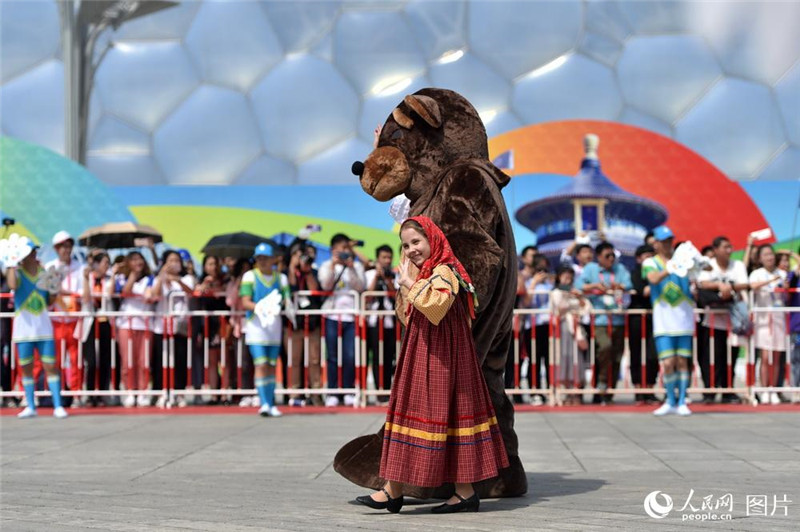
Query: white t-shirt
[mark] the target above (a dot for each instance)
(388, 304)
(72, 283)
(735, 273)
(770, 327)
(135, 304)
(172, 291)
(352, 279)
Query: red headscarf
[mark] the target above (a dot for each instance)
(442, 253)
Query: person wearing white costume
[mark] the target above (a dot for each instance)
(32, 329)
(263, 290)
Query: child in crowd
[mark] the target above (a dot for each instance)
(567, 304)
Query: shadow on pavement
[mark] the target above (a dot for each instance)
(541, 487)
(544, 486)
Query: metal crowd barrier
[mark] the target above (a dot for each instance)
(547, 386)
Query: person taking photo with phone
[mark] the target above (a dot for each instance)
(341, 275)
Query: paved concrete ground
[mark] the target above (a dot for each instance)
(588, 471)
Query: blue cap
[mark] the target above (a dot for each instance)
(662, 232)
(185, 255)
(263, 249)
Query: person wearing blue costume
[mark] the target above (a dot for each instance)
(264, 338)
(673, 322)
(33, 332)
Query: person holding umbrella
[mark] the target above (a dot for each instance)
(262, 290)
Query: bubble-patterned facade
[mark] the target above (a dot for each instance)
(276, 92)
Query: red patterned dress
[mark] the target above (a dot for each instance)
(441, 425)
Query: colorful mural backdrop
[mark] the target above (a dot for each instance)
(45, 193)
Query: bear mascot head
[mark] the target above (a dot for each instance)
(433, 149)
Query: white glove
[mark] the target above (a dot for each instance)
(14, 249)
(691, 259)
(399, 208)
(677, 268)
(51, 280)
(268, 309)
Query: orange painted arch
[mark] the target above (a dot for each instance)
(701, 201)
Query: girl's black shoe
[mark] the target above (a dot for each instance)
(465, 505)
(393, 505)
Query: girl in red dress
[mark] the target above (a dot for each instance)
(441, 425)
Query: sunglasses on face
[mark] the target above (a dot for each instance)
(607, 255)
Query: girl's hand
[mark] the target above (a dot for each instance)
(405, 279)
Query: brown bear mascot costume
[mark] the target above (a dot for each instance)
(433, 148)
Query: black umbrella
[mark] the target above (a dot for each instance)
(239, 245)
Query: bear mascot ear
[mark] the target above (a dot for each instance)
(426, 108)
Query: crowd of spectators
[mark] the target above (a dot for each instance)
(600, 281)
(576, 299)
(207, 355)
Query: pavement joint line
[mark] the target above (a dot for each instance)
(224, 488)
(364, 432)
(47, 434)
(621, 433)
(728, 453)
(766, 436)
(71, 445)
(194, 451)
(564, 443)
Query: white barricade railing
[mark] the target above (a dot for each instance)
(226, 358)
(384, 364)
